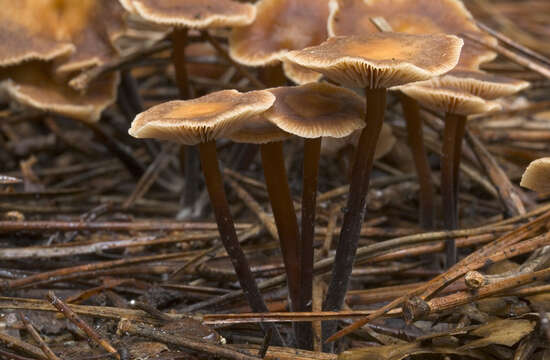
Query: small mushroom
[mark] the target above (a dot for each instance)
(457, 105)
(310, 111)
(54, 38)
(200, 122)
(479, 83)
(182, 16)
(353, 17)
(537, 176)
(373, 62)
(80, 31)
(281, 26)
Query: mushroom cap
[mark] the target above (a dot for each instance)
(33, 84)
(198, 14)
(209, 117)
(447, 99)
(317, 110)
(299, 74)
(537, 176)
(94, 42)
(259, 130)
(480, 83)
(352, 17)
(80, 31)
(380, 60)
(280, 25)
(386, 141)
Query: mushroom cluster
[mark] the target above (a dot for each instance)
(306, 70)
(45, 43)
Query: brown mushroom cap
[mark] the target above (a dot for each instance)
(447, 99)
(192, 13)
(259, 130)
(33, 84)
(479, 83)
(317, 110)
(209, 117)
(280, 26)
(80, 31)
(352, 17)
(380, 60)
(537, 176)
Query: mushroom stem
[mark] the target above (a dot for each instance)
(226, 227)
(411, 112)
(190, 161)
(179, 42)
(356, 206)
(312, 153)
(134, 167)
(460, 133)
(453, 134)
(285, 215)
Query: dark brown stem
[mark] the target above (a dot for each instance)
(450, 166)
(226, 227)
(285, 215)
(460, 132)
(191, 161)
(124, 154)
(411, 112)
(179, 42)
(312, 153)
(356, 206)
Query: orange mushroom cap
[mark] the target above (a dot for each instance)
(380, 60)
(203, 119)
(537, 176)
(447, 99)
(280, 26)
(479, 83)
(352, 17)
(80, 31)
(34, 85)
(198, 14)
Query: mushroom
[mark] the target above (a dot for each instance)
(201, 121)
(353, 17)
(280, 26)
(457, 105)
(42, 41)
(184, 15)
(80, 31)
(310, 111)
(374, 62)
(537, 175)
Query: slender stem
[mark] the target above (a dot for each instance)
(285, 215)
(448, 193)
(312, 153)
(459, 135)
(411, 112)
(123, 153)
(226, 227)
(356, 206)
(190, 161)
(179, 42)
